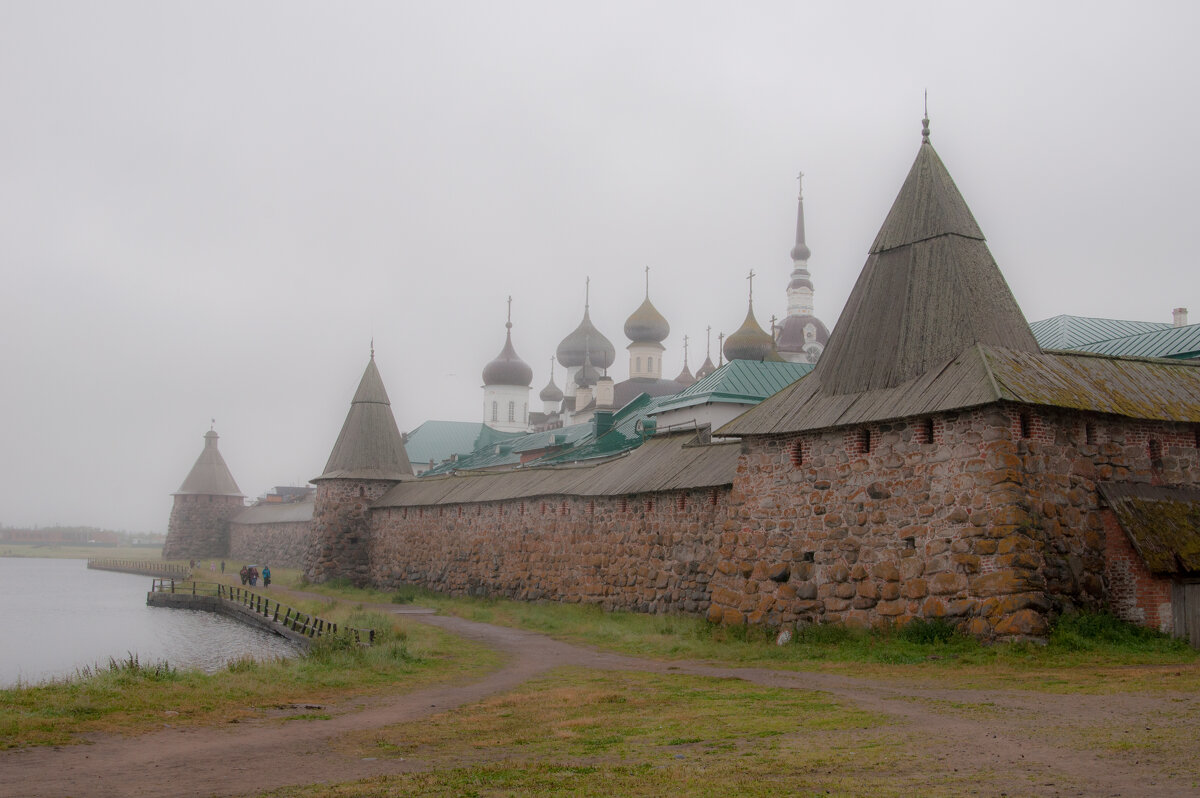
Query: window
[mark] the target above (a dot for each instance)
(650, 364)
(495, 412)
(1026, 425)
(925, 431)
(637, 362)
(512, 411)
(1154, 447)
(1089, 433)
(797, 454)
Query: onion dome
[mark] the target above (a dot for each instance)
(571, 351)
(647, 325)
(685, 377)
(750, 341)
(800, 331)
(587, 374)
(507, 368)
(551, 393)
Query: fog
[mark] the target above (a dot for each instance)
(209, 210)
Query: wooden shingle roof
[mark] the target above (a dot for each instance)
(209, 476)
(369, 445)
(1162, 522)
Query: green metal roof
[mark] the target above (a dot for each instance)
(438, 440)
(745, 382)
(1077, 332)
(624, 435)
(1173, 342)
(506, 449)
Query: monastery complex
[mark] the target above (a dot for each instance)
(932, 457)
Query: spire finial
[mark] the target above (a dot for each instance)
(750, 277)
(647, 282)
(708, 345)
(213, 426)
(772, 325)
(552, 368)
(925, 121)
(508, 324)
(721, 349)
(800, 185)
(587, 292)
(685, 340)
(372, 347)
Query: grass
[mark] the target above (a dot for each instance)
(129, 697)
(589, 733)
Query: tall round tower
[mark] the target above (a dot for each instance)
(204, 503)
(367, 460)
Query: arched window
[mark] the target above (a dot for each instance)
(650, 363)
(512, 411)
(495, 412)
(637, 364)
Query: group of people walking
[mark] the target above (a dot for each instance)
(250, 574)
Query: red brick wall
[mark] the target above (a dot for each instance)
(1135, 594)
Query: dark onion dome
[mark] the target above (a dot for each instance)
(749, 342)
(551, 393)
(587, 374)
(507, 368)
(791, 336)
(646, 325)
(586, 337)
(685, 377)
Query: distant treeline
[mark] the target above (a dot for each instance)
(74, 535)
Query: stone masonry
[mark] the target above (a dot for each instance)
(282, 544)
(341, 529)
(988, 518)
(645, 552)
(199, 526)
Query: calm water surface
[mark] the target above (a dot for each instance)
(57, 616)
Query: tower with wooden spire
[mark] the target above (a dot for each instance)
(367, 459)
(204, 503)
(802, 336)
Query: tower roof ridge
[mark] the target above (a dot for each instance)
(369, 445)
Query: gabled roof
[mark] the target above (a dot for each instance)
(929, 290)
(1077, 332)
(209, 476)
(1162, 522)
(438, 440)
(369, 445)
(283, 513)
(1165, 390)
(1172, 342)
(665, 462)
(744, 382)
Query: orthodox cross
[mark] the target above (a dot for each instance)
(772, 325)
(800, 185)
(508, 324)
(720, 349)
(647, 282)
(750, 277)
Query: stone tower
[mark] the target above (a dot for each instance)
(366, 461)
(204, 503)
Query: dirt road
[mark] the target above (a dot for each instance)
(1013, 742)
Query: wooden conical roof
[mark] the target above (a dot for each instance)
(929, 292)
(210, 476)
(369, 446)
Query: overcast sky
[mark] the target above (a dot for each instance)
(209, 209)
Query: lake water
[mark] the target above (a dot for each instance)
(57, 616)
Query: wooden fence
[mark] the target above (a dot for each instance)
(302, 623)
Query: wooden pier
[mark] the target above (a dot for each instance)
(168, 570)
(252, 608)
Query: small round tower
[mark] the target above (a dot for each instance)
(203, 505)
